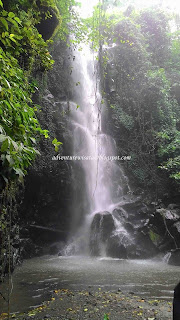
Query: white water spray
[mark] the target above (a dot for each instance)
(104, 182)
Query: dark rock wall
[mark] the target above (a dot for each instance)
(48, 190)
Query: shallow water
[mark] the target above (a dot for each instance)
(35, 280)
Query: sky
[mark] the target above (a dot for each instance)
(174, 5)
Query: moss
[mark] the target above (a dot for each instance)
(155, 238)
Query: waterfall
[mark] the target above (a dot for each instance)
(100, 182)
(89, 140)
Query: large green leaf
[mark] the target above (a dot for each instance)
(4, 22)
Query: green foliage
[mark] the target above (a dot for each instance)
(20, 37)
(122, 117)
(23, 51)
(71, 23)
(18, 123)
(169, 151)
(106, 317)
(3, 221)
(155, 27)
(141, 81)
(56, 144)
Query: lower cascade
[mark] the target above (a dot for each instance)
(104, 206)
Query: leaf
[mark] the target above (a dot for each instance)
(8, 83)
(5, 179)
(19, 171)
(18, 20)
(85, 310)
(13, 22)
(5, 145)
(14, 145)
(11, 14)
(37, 152)
(45, 132)
(1, 4)
(78, 106)
(2, 137)
(20, 174)
(56, 144)
(33, 140)
(112, 106)
(54, 141)
(12, 39)
(30, 314)
(4, 22)
(7, 103)
(9, 159)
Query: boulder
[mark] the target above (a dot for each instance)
(175, 257)
(163, 220)
(116, 249)
(101, 230)
(145, 248)
(129, 226)
(170, 216)
(120, 214)
(121, 246)
(136, 210)
(175, 231)
(172, 206)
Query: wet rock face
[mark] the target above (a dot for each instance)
(115, 249)
(116, 236)
(48, 190)
(102, 228)
(175, 258)
(165, 222)
(48, 184)
(58, 81)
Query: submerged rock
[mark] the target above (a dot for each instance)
(121, 246)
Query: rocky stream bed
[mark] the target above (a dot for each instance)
(96, 305)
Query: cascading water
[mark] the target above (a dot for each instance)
(104, 182)
(100, 186)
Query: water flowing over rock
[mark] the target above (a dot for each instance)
(99, 182)
(102, 228)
